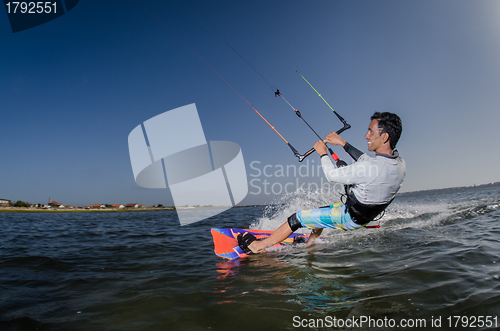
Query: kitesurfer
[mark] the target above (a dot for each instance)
(372, 182)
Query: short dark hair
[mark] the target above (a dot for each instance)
(390, 123)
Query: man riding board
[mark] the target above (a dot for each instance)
(373, 182)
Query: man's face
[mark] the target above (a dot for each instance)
(373, 137)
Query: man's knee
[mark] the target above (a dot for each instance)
(293, 222)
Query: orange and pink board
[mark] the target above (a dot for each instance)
(226, 244)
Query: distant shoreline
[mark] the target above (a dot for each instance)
(96, 210)
(76, 210)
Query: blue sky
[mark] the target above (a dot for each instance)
(71, 90)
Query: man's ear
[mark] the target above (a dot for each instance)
(385, 137)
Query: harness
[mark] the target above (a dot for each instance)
(362, 213)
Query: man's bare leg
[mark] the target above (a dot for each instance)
(279, 235)
(283, 232)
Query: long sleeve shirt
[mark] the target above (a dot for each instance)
(375, 179)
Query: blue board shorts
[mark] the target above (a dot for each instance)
(334, 216)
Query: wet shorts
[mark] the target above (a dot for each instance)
(334, 216)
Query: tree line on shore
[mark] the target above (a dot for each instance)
(20, 203)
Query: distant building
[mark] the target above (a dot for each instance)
(55, 204)
(5, 203)
(118, 205)
(99, 205)
(131, 205)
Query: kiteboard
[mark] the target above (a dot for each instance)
(226, 244)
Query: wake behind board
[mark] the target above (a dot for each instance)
(226, 244)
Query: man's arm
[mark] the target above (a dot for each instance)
(355, 173)
(312, 237)
(334, 139)
(352, 151)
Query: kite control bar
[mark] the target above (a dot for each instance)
(340, 163)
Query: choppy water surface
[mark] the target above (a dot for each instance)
(436, 256)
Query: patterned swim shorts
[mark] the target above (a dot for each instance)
(334, 216)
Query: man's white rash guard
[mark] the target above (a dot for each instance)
(375, 179)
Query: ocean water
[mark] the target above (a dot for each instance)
(434, 264)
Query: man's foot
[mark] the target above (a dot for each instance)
(244, 241)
